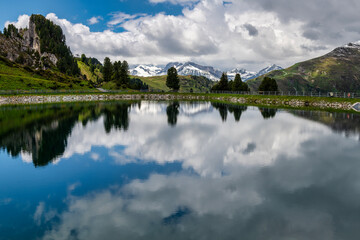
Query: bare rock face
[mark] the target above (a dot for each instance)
(31, 39)
(25, 49)
(50, 57)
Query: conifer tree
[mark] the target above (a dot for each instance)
(224, 83)
(124, 73)
(172, 80)
(237, 85)
(107, 69)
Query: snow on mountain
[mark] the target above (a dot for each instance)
(187, 109)
(190, 68)
(267, 70)
(353, 45)
(245, 75)
(146, 70)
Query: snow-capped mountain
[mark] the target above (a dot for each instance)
(245, 75)
(267, 70)
(146, 71)
(190, 68)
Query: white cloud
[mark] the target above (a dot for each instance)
(26, 157)
(22, 22)
(274, 200)
(94, 20)
(182, 2)
(248, 34)
(214, 149)
(95, 157)
(120, 17)
(39, 213)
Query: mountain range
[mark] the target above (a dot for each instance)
(337, 71)
(38, 58)
(190, 68)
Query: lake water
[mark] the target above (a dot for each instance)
(170, 170)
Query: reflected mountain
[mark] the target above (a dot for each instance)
(342, 123)
(43, 131)
(288, 178)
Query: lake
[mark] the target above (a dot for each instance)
(178, 170)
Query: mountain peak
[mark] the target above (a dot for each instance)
(353, 45)
(191, 68)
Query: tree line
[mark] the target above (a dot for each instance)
(267, 84)
(119, 73)
(236, 86)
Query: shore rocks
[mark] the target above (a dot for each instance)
(38, 99)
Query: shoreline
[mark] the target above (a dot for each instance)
(271, 101)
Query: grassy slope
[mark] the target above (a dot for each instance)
(327, 73)
(14, 76)
(159, 83)
(85, 70)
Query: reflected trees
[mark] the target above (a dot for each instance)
(223, 109)
(268, 113)
(172, 112)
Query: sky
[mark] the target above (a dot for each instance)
(247, 34)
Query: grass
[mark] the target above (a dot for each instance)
(15, 77)
(85, 70)
(156, 83)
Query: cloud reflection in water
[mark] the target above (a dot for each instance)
(283, 178)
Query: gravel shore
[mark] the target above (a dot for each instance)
(38, 99)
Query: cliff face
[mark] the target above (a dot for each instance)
(31, 39)
(25, 49)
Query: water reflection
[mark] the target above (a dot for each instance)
(116, 117)
(223, 109)
(170, 170)
(172, 111)
(346, 123)
(268, 112)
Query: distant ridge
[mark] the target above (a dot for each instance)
(336, 71)
(191, 68)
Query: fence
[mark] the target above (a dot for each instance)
(296, 93)
(278, 93)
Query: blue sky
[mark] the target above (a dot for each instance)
(81, 11)
(247, 34)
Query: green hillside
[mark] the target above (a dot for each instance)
(338, 70)
(198, 84)
(85, 70)
(14, 76)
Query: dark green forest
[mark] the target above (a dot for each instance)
(52, 40)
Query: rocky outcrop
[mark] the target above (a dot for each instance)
(31, 39)
(25, 49)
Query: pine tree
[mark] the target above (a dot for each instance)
(83, 58)
(172, 80)
(124, 73)
(107, 69)
(237, 85)
(117, 73)
(224, 83)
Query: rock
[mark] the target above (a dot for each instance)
(31, 39)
